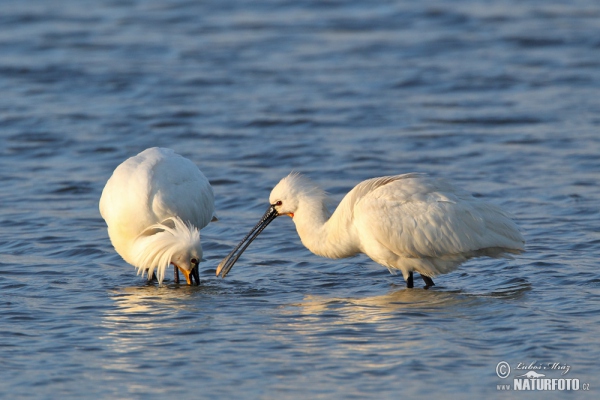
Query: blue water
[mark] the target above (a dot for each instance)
(502, 97)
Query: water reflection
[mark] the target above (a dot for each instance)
(374, 308)
(405, 325)
(139, 300)
(148, 318)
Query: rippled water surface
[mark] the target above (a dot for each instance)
(502, 97)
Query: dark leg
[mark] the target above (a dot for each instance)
(176, 274)
(409, 281)
(196, 275)
(428, 281)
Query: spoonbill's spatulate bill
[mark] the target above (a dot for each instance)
(408, 222)
(154, 204)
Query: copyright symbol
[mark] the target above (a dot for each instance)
(503, 369)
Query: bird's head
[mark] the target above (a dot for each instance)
(170, 242)
(284, 196)
(293, 195)
(187, 258)
(287, 196)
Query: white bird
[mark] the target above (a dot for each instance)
(154, 204)
(411, 223)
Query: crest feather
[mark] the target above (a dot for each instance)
(299, 185)
(155, 247)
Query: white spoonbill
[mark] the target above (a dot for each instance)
(154, 204)
(408, 222)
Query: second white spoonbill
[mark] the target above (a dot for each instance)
(411, 223)
(154, 204)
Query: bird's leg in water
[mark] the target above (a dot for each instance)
(428, 281)
(409, 281)
(176, 277)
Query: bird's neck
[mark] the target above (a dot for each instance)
(324, 234)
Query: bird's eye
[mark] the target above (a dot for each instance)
(194, 261)
(278, 203)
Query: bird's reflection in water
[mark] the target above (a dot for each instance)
(143, 299)
(390, 305)
(149, 317)
(396, 311)
(361, 328)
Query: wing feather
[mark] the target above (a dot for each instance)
(415, 216)
(149, 188)
(179, 188)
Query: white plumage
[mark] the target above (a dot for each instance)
(154, 204)
(408, 222)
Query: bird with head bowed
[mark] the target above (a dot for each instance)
(154, 205)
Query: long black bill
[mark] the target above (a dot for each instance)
(227, 263)
(196, 274)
